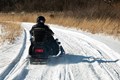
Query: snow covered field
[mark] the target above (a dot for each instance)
(86, 58)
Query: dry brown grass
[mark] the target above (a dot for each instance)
(10, 31)
(107, 25)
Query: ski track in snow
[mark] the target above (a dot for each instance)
(84, 59)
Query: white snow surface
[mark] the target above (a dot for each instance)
(87, 57)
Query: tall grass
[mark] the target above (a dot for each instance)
(9, 31)
(96, 25)
(107, 26)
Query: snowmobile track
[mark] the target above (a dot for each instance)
(13, 64)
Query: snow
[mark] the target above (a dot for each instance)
(110, 41)
(87, 57)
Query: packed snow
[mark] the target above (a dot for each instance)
(87, 57)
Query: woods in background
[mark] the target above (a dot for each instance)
(78, 8)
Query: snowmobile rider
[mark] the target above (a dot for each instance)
(41, 24)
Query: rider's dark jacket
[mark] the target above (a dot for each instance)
(43, 26)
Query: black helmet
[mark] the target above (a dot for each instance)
(40, 19)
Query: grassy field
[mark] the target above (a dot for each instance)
(9, 31)
(101, 25)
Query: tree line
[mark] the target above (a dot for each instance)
(50, 5)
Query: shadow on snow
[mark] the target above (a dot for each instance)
(74, 59)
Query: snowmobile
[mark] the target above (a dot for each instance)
(44, 48)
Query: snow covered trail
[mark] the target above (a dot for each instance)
(84, 59)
